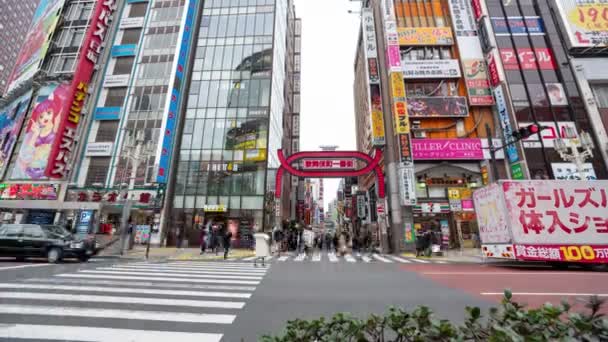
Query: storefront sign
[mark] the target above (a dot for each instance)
(28, 191)
(438, 106)
(405, 149)
(568, 171)
(505, 122)
(369, 32)
(432, 208)
(99, 149)
(527, 60)
(585, 22)
(393, 54)
(36, 43)
(372, 70)
(215, 208)
(462, 18)
(64, 144)
(433, 68)
(328, 164)
(477, 9)
(476, 80)
(549, 134)
(519, 26)
(110, 81)
(561, 252)
(397, 86)
(11, 119)
(361, 211)
(493, 72)
(402, 123)
(123, 50)
(174, 98)
(447, 149)
(413, 36)
(516, 171)
(377, 116)
(131, 22)
(407, 185)
(107, 113)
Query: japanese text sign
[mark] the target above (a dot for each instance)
(397, 86)
(433, 68)
(369, 33)
(586, 22)
(64, 144)
(528, 59)
(412, 36)
(328, 164)
(441, 149)
(557, 212)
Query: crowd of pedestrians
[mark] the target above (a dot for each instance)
(214, 236)
(307, 240)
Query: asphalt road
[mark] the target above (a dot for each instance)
(111, 300)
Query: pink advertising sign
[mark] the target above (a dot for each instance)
(394, 56)
(442, 149)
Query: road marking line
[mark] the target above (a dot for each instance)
(316, 257)
(90, 334)
(420, 261)
(383, 259)
(22, 266)
(182, 271)
(175, 275)
(199, 268)
(249, 258)
(61, 311)
(139, 284)
(300, 257)
(283, 258)
(441, 262)
(243, 265)
(365, 258)
(165, 279)
(123, 300)
(516, 273)
(349, 258)
(332, 257)
(173, 292)
(401, 260)
(546, 294)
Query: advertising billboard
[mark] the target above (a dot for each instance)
(438, 106)
(447, 149)
(40, 132)
(585, 22)
(172, 107)
(476, 80)
(528, 59)
(11, 120)
(433, 68)
(492, 215)
(377, 116)
(412, 36)
(519, 26)
(505, 122)
(549, 134)
(36, 42)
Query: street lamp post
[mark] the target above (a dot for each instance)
(577, 150)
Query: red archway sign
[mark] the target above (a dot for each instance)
(319, 172)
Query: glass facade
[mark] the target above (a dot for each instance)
(233, 119)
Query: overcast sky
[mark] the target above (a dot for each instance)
(329, 38)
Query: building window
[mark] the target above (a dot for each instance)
(106, 132)
(98, 170)
(131, 36)
(70, 37)
(138, 10)
(79, 11)
(123, 65)
(62, 63)
(116, 97)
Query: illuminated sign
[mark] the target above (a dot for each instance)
(329, 164)
(215, 208)
(412, 36)
(28, 191)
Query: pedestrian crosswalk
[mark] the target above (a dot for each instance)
(152, 302)
(353, 258)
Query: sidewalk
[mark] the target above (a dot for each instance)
(172, 253)
(468, 255)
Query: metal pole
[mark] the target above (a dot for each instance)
(492, 153)
(156, 201)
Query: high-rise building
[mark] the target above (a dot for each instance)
(15, 19)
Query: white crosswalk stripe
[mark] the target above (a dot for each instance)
(420, 261)
(366, 259)
(349, 258)
(300, 257)
(283, 258)
(381, 258)
(401, 260)
(204, 294)
(332, 257)
(316, 257)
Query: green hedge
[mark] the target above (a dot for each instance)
(511, 321)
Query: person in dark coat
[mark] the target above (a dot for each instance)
(202, 241)
(226, 237)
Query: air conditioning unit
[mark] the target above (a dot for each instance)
(419, 134)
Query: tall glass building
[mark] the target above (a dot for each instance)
(236, 117)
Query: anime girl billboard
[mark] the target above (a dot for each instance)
(11, 120)
(40, 132)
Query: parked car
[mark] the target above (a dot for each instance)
(34, 240)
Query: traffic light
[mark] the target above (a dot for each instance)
(525, 132)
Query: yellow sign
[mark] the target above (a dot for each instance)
(466, 193)
(425, 36)
(402, 122)
(215, 208)
(453, 194)
(377, 127)
(593, 17)
(397, 84)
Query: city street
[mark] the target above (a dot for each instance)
(113, 300)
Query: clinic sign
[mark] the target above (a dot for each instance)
(72, 111)
(585, 22)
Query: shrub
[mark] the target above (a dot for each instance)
(511, 321)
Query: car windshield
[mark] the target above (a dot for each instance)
(56, 232)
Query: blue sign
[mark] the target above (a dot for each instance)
(505, 123)
(171, 116)
(85, 216)
(519, 26)
(123, 50)
(107, 113)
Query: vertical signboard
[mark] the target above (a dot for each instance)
(67, 122)
(11, 120)
(36, 42)
(505, 122)
(585, 22)
(374, 93)
(471, 55)
(170, 120)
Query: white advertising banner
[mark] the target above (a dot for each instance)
(585, 22)
(131, 22)
(568, 171)
(549, 134)
(491, 215)
(110, 81)
(407, 185)
(369, 32)
(557, 212)
(434, 68)
(99, 149)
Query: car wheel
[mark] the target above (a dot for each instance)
(83, 258)
(54, 255)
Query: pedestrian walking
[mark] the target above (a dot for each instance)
(309, 237)
(227, 236)
(202, 240)
(277, 237)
